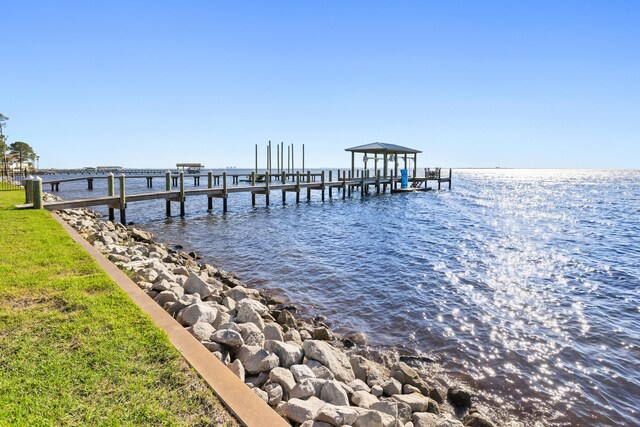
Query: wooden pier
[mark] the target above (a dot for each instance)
(220, 186)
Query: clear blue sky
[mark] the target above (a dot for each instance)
(477, 83)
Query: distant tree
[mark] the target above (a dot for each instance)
(24, 152)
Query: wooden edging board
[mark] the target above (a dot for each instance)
(247, 407)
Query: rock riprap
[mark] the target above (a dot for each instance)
(299, 368)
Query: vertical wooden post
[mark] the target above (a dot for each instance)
(323, 183)
(377, 181)
(123, 201)
(293, 159)
(282, 155)
(181, 193)
(111, 191)
(278, 156)
(267, 179)
(210, 185)
(283, 178)
(330, 187)
(298, 187)
(28, 190)
(302, 158)
(450, 179)
(344, 185)
(89, 183)
(256, 169)
(353, 163)
(308, 188)
(37, 193)
(224, 191)
(415, 164)
(167, 176)
(288, 159)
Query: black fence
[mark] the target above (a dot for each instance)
(11, 181)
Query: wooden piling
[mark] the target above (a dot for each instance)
(123, 201)
(210, 185)
(267, 180)
(37, 193)
(181, 193)
(111, 191)
(28, 190)
(308, 188)
(322, 178)
(224, 192)
(168, 188)
(298, 187)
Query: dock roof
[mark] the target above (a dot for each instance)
(382, 148)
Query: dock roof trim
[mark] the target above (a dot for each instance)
(381, 147)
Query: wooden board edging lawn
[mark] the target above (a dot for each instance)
(248, 408)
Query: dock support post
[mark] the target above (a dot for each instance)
(224, 192)
(256, 169)
(267, 179)
(344, 185)
(308, 188)
(181, 193)
(353, 163)
(330, 187)
(302, 158)
(283, 178)
(167, 176)
(123, 201)
(210, 185)
(298, 187)
(111, 191)
(28, 190)
(449, 179)
(37, 193)
(322, 182)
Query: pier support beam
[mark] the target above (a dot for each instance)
(111, 191)
(210, 185)
(168, 188)
(181, 193)
(37, 193)
(224, 192)
(123, 201)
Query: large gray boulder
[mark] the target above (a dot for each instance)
(407, 375)
(299, 410)
(284, 377)
(307, 388)
(202, 331)
(368, 370)
(195, 285)
(417, 402)
(199, 312)
(252, 358)
(425, 419)
(374, 418)
(251, 334)
(332, 392)
(301, 372)
(228, 337)
(331, 357)
(400, 411)
(337, 415)
(363, 399)
(288, 353)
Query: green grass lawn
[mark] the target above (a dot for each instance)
(74, 349)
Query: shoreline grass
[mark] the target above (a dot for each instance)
(74, 349)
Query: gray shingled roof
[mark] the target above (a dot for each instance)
(381, 147)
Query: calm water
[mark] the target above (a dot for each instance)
(523, 283)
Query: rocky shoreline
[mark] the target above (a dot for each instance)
(299, 367)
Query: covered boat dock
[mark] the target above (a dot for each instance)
(388, 153)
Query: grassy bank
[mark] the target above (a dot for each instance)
(74, 350)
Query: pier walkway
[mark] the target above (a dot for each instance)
(221, 185)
